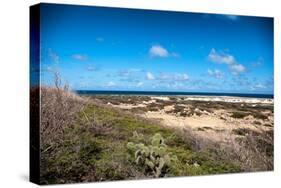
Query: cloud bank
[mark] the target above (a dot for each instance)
(221, 57)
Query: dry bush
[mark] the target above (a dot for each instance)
(195, 141)
(96, 126)
(252, 152)
(59, 109)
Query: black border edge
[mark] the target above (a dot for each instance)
(34, 91)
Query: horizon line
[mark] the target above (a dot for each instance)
(159, 91)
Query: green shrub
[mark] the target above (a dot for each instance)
(239, 114)
(241, 131)
(257, 122)
(260, 115)
(154, 158)
(268, 125)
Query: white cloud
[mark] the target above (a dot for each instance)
(124, 73)
(181, 77)
(261, 86)
(164, 76)
(227, 59)
(172, 77)
(150, 76)
(49, 69)
(221, 57)
(139, 84)
(176, 85)
(91, 68)
(237, 69)
(258, 63)
(53, 56)
(258, 86)
(215, 73)
(80, 57)
(129, 72)
(111, 84)
(158, 51)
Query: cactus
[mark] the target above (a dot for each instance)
(153, 157)
(137, 136)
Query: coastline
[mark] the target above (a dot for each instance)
(229, 99)
(173, 94)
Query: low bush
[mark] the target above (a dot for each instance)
(154, 157)
(241, 131)
(239, 114)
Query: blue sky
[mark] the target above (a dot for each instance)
(97, 48)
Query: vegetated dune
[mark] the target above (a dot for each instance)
(233, 121)
(211, 117)
(101, 138)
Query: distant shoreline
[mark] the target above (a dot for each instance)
(170, 93)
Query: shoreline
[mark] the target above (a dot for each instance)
(227, 99)
(172, 94)
(231, 99)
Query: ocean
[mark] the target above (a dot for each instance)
(170, 93)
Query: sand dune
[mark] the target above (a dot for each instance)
(212, 124)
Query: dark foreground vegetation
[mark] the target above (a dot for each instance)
(83, 140)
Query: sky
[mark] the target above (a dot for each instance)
(97, 48)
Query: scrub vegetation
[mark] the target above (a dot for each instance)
(83, 140)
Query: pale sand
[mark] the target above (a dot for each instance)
(161, 98)
(216, 125)
(231, 99)
(127, 106)
(217, 99)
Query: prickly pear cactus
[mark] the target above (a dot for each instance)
(154, 157)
